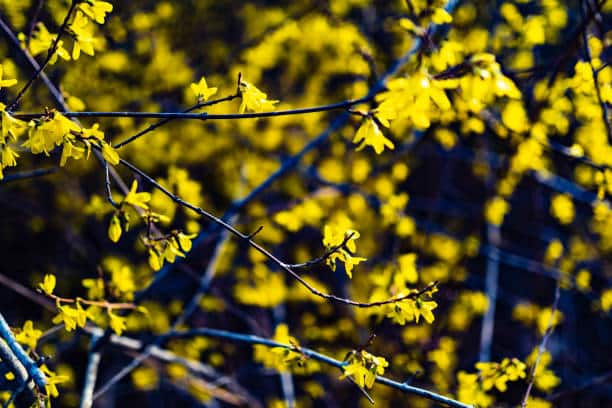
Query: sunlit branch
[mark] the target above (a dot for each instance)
(491, 285)
(14, 355)
(251, 339)
(100, 303)
(91, 373)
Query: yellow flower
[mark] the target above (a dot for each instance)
(369, 134)
(48, 284)
(156, 261)
(424, 308)
(184, 241)
(202, 91)
(562, 208)
(145, 378)
(41, 42)
(363, 368)
(137, 199)
(407, 267)
(70, 316)
(5, 83)
(334, 235)
(281, 358)
(52, 379)
(114, 229)
(117, 323)
(110, 154)
(253, 99)
(606, 300)
(495, 210)
(11, 127)
(441, 16)
(8, 156)
(70, 150)
(28, 335)
(82, 32)
(544, 378)
(514, 116)
(96, 10)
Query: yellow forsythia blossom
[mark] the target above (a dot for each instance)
(253, 99)
(363, 368)
(369, 134)
(562, 208)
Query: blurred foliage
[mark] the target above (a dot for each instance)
(483, 165)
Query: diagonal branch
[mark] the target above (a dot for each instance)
(292, 162)
(282, 265)
(162, 122)
(251, 339)
(50, 54)
(542, 347)
(20, 356)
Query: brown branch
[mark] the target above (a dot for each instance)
(102, 303)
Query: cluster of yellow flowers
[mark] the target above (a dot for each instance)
(79, 28)
(363, 367)
(474, 388)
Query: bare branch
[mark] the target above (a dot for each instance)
(250, 339)
(542, 347)
(50, 54)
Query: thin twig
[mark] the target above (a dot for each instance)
(57, 95)
(92, 373)
(542, 347)
(166, 120)
(282, 265)
(50, 54)
(292, 162)
(203, 115)
(203, 286)
(128, 343)
(107, 183)
(323, 257)
(37, 11)
(24, 175)
(600, 379)
(587, 50)
(100, 303)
